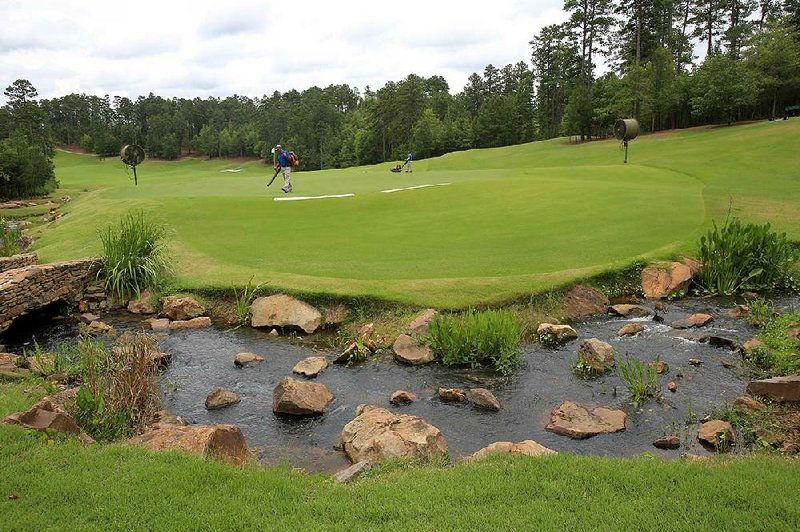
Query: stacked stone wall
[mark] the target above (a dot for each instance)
(18, 261)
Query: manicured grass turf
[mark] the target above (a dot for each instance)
(65, 486)
(514, 220)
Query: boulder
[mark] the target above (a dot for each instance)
(345, 355)
(666, 279)
(420, 324)
(311, 366)
(377, 434)
(483, 399)
(777, 388)
(157, 324)
(739, 311)
(194, 323)
(223, 442)
(723, 342)
(748, 405)
(300, 398)
(695, 320)
(556, 333)
(10, 366)
(402, 397)
(48, 415)
(580, 422)
(667, 442)
(452, 395)
(181, 308)
(247, 359)
(353, 472)
(524, 448)
(98, 328)
(695, 266)
(220, 398)
(582, 301)
(88, 317)
(597, 354)
(283, 311)
(143, 305)
(717, 434)
(631, 311)
(163, 418)
(409, 351)
(630, 329)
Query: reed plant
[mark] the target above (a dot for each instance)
(641, 380)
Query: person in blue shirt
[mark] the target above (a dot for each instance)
(408, 163)
(282, 161)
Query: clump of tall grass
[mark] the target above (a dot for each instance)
(134, 255)
(780, 354)
(10, 237)
(119, 391)
(641, 380)
(244, 298)
(745, 256)
(490, 337)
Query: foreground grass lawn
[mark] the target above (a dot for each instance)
(511, 221)
(63, 485)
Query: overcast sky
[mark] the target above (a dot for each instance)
(254, 47)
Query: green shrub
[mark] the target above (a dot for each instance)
(135, 256)
(473, 338)
(243, 300)
(738, 257)
(9, 239)
(641, 380)
(761, 313)
(780, 355)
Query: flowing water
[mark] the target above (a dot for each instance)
(203, 360)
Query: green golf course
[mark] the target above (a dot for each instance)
(510, 221)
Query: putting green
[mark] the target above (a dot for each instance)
(511, 221)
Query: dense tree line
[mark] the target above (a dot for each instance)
(751, 69)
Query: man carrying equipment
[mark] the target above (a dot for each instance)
(407, 164)
(283, 163)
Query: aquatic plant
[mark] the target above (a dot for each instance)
(490, 337)
(10, 236)
(641, 380)
(243, 298)
(745, 256)
(134, 256)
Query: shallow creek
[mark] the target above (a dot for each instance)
(203, 360)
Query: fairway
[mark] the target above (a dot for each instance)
(509, 221)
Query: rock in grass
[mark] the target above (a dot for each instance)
(667, 442)
(181, 308)
(222, 442)
(419, 325)
(524, 448)
(353, 472)
(409, 351)
(748, 405)
(452, 395)
(377, 434)
(345, 356)
(631, 311)
(751, 345)
(582, 301)
(247, 359)
(48, 415)
(402, 397)
(220, 398)
(311, 366)
(777, 388)
(483, 399)
(695, 320)
(556, 333)
(717, 434)
(630, 329)
(286, 312)
(300, 398)
(580, 422)
(598, 354)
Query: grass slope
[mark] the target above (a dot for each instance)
(61, 485)
(513, 220)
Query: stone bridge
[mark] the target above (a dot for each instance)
(26, 286)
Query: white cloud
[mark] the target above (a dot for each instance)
(211, 48)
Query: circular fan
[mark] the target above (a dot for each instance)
(626, 129)
(132, 154)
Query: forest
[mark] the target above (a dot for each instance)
(609, 59)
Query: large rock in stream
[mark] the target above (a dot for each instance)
(377, 434)
(409, 351)
(664, 279)
(286, 312)
(223, 442)
(300, 398)
(580, 422)
(181, 308)
(777, 388)
(598, 354)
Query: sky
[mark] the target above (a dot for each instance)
(254, 47)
